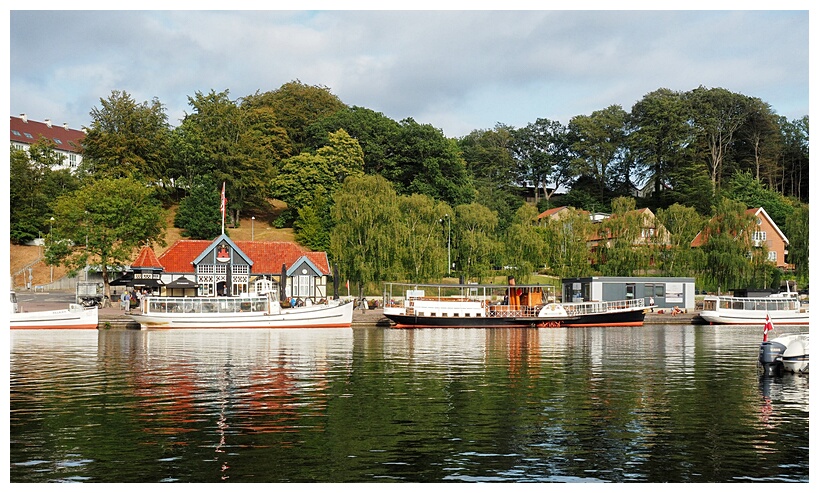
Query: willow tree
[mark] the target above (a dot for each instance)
(566, 238)
(425, 222)
(104, 224)
(474, 235)
(621, 251)
(728, 246)
(677, 258)
(367, 234)
(525, 246)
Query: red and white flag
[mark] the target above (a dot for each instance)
(767, 328)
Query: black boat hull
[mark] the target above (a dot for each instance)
(633, 318)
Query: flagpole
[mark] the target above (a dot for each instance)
(222, 207)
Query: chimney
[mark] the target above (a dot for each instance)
(24, 117)
(65, 125)
(48, 122)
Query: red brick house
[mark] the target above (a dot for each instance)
(767, 234)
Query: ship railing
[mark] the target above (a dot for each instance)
(166, 304)
(593, 307)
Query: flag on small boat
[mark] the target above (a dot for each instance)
(767, 328)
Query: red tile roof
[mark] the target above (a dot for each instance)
(65, 139)
(267, 256)
(146, 258)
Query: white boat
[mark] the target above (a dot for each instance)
(785, 353)
(74, 317)
(258, 310)
(473, 305)
(783, 308)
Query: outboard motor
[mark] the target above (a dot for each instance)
(770, 358)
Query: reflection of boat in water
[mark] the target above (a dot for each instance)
(473, 305)
(260, 309)
(74, 317)
(789, 352)
(783, 308)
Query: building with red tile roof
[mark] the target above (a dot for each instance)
(767, 234)
(225, 267)
(66, 141)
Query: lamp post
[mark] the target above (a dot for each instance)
(51, 238)
(252, 219)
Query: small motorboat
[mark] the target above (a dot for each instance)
(75, 317)
(786, 353)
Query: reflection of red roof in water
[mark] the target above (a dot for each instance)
(267, 256)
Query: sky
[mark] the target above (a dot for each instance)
(458, 70)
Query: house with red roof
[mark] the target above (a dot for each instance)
(223, 267)
(66, 141)
(767, 234)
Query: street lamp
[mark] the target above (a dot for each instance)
(448, 244)
(51, 238)
(252, 218)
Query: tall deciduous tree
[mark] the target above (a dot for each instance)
(296, 106)
(127, 139)
(660, 139)
(367, 234)
(543, 156)
(33, 185)
(474, 235)
(425, 224)
(717, 114)
(677, 258)
(104, 223)
(797, 227)
(428, 163)
(598, 140)
(525, 246)
(199, 214)
(566, 238)
(727, 245)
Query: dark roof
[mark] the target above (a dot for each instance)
(28, 132)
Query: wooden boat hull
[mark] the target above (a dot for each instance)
(75, 317)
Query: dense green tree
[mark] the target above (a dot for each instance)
(525, 246)
(425, 224)
(474, 234)
(127, 139)
(727, 243)
(543, 156)
(794, 169)
(598, 142)
(566, 239)
(797, 227)
(619, 252)
(717, 114)
(366, 239)
(235, 144)
(296, 106)
(660, 139)
(743, 187)
(682, 223)
(199, 214)
(103, 224)
(492, 169)
(299, 176)
(428, 163)
(314, 222)
(374, 132)
(34, 182)
(759, 142)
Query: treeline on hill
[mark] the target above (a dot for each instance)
(398, 200)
